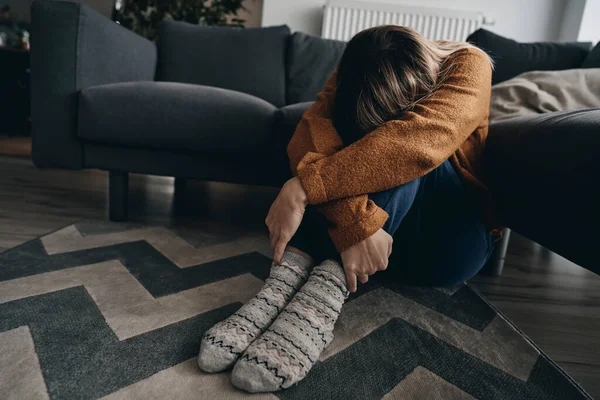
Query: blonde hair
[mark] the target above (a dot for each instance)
(386, 71)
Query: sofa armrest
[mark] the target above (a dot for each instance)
(543, 172)
(74, 47)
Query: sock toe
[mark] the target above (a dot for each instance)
(214, 358)
(254, 378)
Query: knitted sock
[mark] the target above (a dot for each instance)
(284, 354)
(225, 342)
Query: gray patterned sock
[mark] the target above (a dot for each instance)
(284, 354)
(224, 343)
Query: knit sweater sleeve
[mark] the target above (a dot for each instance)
(401, 150)
(352, 219)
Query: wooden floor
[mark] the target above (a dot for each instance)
(556, 303)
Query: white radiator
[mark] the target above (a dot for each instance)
(344, 18)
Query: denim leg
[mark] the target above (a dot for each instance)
(442, 239)
(397, 202)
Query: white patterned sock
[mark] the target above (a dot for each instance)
(285, 353)
(224, 343)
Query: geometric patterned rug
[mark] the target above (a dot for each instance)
(116, 311)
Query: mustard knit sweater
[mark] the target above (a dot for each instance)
(451, 124)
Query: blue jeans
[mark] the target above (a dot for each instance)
(439, 235)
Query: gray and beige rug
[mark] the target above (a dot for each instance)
(101, 310)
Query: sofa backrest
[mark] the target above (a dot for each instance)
(310, 61)
(512, 58)
(248, 60)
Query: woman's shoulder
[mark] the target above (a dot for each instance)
(469, 66)
(468, 60)
(471, 55)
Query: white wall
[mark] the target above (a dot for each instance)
(523, 20)
(571, 23)
(589, 30)
(252, 13)
(580, 22)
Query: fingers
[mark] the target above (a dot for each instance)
(363, 278)
(279, 249)
(274, 239)
(350, 281)
(383, 264)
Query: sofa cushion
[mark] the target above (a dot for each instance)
(286, 120)
(176, 116)
(250, 60)
(593, 59)
(512, 58)
(310, 61)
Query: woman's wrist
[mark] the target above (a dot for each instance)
(296, 192)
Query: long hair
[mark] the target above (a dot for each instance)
(384, 72)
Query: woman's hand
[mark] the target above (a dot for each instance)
(366, 258)
(285, 216)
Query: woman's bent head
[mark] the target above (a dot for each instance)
(383, 72)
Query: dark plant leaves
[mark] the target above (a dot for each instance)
(145, 16)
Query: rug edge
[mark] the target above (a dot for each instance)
(531, 342)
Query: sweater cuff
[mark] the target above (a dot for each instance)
(313, 184)
(345, 237)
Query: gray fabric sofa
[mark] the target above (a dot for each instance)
(202, 103)
(222, 103)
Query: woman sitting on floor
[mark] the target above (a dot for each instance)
(390, 152)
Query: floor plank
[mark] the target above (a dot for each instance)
(555, 302)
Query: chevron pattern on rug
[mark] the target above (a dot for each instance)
(116, 311)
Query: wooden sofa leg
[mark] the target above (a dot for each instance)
(495, 264)
(118, 194)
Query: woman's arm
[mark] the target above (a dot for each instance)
(352, 219)
(400, 150)
(315, 136)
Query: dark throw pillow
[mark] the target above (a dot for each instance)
(593, 59)
(310, 61)
(512, 58)
(248, 60)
